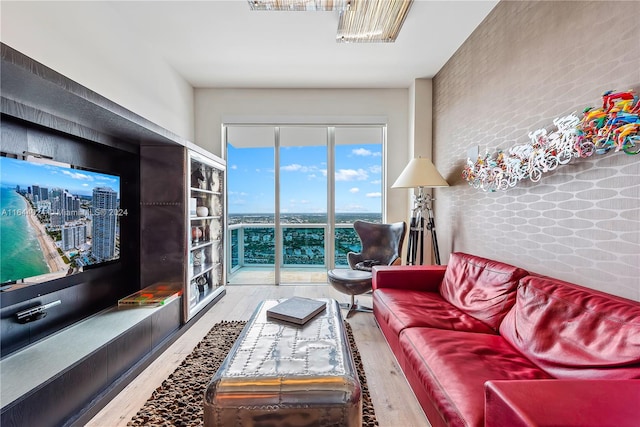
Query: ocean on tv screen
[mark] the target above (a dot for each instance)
(55, 220)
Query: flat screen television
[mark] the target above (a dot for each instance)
(56, 220)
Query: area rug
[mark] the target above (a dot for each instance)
(178, 401)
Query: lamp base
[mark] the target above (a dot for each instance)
(418, 225)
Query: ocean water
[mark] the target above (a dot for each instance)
(20, 253)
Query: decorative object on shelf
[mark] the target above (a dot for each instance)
(198, 258)
(214, 230)
(217, 207)
(193, 206)
(420, 173)
(215, 181)
(202, 211)
(215, 252)
(201, 282)
(198, 179)
(615, 125)
(196, 234)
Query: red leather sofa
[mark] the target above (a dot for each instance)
(484, 343)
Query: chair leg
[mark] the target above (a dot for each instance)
(354, 306)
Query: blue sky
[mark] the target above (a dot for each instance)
(303, 179)
(19, 172)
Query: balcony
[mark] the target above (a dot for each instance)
(252, 252)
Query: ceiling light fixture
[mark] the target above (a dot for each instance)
(339, 5)
(373, 21)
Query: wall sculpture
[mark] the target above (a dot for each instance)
(614, 126)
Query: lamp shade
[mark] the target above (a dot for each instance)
(420, 172)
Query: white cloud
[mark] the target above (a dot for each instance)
(365, 153)
(362, 152)
(354, 190)
(292, 168)
(374, 195)
(234, 167)
(351, 175)
(376, 182)
(375, 169)
(311, 170)
(77, 175)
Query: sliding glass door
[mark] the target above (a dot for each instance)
(251, 157)
(302, 196)
(358, 185)
(293, 194)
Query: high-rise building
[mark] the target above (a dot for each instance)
(36, 193)
(105, 205)
(71, 207)
(73, 236)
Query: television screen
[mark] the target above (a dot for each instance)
(55, 220)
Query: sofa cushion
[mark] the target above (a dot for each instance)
(401, 308)
(575, 332)
(451, 368)
(481, 287)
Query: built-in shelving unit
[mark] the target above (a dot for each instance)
(205, 233)
(78, 383)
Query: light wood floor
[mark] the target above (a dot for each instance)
(394, 403)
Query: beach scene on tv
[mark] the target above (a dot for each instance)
(55, 220)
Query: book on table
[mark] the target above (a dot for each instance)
(296, 310)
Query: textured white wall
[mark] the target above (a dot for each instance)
(136, 78)
(213, 106)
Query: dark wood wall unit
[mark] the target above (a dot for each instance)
(163, 229)
(93, 289)
(65, 398)
(45, 112)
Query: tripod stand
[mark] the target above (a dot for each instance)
(417, 229)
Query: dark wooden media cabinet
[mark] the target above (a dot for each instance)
(60, 370)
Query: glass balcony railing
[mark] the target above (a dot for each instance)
(303, 245)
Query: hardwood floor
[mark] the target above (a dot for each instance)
(394, 403)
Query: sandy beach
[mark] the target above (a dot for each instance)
(47, 245)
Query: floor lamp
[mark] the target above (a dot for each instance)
(420, 173)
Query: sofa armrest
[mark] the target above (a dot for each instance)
(584, 403)
(413, 277)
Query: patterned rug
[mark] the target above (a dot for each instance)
(178, 401)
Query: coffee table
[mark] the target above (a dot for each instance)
(283, 374)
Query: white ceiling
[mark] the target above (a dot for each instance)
(225, 44)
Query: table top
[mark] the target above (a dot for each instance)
(270, 348)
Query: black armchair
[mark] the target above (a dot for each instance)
(381, 245)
